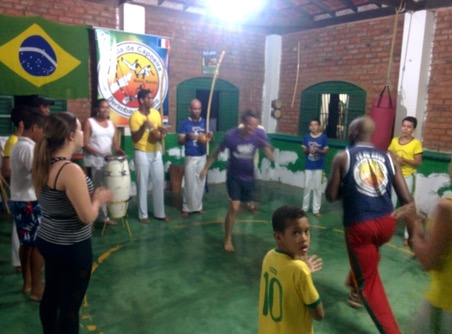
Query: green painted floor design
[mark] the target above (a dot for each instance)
(175, 278)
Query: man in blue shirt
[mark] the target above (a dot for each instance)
(191, 132)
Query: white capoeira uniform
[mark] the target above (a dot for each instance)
(195, 159)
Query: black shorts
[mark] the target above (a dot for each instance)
(241, 190)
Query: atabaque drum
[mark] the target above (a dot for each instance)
(117, 179)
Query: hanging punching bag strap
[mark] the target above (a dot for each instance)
(382, 94)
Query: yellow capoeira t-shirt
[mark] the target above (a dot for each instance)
(136, 120)
(287, 294)
(406, 151)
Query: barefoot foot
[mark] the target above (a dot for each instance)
(228, 247)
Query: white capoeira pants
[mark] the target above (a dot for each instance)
(313, 183)
(410, 182)
(193, 191)
(149, 165)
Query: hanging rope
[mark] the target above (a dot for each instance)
(296, 78)
(394, 33)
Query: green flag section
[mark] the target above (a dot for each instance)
(38, 56)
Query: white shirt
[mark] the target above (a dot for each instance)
(21, 165)
(101, 140)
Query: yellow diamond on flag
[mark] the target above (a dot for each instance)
(36, 57)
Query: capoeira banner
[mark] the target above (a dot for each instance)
(38, 56)
(129, 62)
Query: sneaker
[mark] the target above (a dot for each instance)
(354, 300)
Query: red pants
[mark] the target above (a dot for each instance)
(363, 242)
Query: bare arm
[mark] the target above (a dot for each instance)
(137, 135)
(181, 138)
(430, 252)
(333, 188)
(400, 186)
(213, 156)
(116, 146)
(416, 162)
(6, 167)
(268, 153)
(318, 313)
(72, 180)
(324, 151)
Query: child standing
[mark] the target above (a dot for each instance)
(288, 299)
(25, 207)
(315, 146)
(407, 150)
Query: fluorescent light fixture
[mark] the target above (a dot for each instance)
(234, 10)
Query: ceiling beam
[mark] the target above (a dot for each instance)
(188, 4)
(321, 6)
(429, 4)
(360, 16)
(349, 5)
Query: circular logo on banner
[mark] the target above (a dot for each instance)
(127, 68)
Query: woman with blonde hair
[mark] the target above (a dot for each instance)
(69, 207)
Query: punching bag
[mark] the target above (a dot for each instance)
(383, 114)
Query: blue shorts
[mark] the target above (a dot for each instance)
(240, 190)
(27, 217)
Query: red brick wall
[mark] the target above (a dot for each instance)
(242, 66)
(355, 52)
(438, 125)
(243, 63)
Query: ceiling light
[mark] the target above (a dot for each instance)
(234, 10)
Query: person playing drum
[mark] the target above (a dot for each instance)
(100, 135)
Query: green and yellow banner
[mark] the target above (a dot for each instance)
(38, 56)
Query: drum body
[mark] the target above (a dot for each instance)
(176, 177)
(117, 179)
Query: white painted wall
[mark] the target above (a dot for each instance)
(414, 68)
(270, 92)
(132, 18)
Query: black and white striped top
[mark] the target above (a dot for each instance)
(60, 223)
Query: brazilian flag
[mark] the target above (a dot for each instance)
(38, 56)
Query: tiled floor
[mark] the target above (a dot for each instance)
(175, 277)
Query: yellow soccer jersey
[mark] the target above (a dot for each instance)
(407, 151)
(439, 293)
(135, 122)
(10, 142)
(287, 294)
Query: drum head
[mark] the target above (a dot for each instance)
(120, 158)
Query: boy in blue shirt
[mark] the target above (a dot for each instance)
(315, 146)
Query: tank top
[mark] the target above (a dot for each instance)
(367, 184)
(101, 140)
(60, 223)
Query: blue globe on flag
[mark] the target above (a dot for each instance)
(37, 57)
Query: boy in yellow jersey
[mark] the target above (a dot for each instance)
(407, 150)
(288, 299)
(148, 157)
